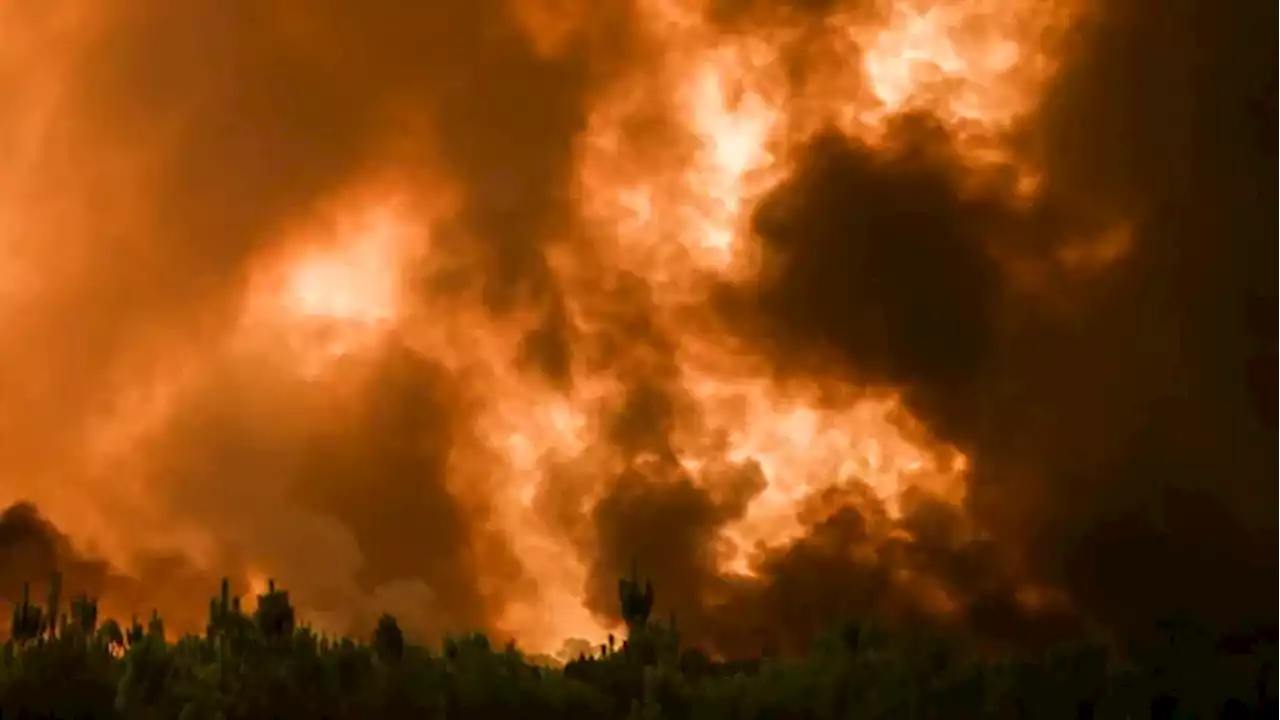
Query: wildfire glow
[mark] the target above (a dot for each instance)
(338, 285)
(674, 157)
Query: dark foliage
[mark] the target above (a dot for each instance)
(65, 665)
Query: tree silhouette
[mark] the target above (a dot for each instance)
(636, 600)
(28, 619)
(266, 666)
(388, 640)
(274, 615)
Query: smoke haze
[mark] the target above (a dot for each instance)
(949, 311)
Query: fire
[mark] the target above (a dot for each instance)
(673, 160)
(671, 208)
(674, 208)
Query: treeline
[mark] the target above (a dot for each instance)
(65, 662)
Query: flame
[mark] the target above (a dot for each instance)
(675, 156)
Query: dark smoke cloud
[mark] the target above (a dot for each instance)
(1156, 494)
(383, 472)
(1118, 445)
(880, 257)
(32, 550)
(1123, 443)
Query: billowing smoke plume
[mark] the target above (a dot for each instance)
(1123, 441)
(1005, 375)
(157, 153)
(1120, 443)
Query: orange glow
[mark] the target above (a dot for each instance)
(338, 285)
(352, 285)
(675, 155)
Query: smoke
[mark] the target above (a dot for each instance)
(849, 234)
(458, 311)
(1121, 450)
(170, 149)
(1157, 502)
(1119, 444)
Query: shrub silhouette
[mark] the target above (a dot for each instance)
(267, 665)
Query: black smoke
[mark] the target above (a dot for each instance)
(1121, 425)
(1123, 445)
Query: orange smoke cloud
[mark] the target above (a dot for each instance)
(666, 206)
(456, 324)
